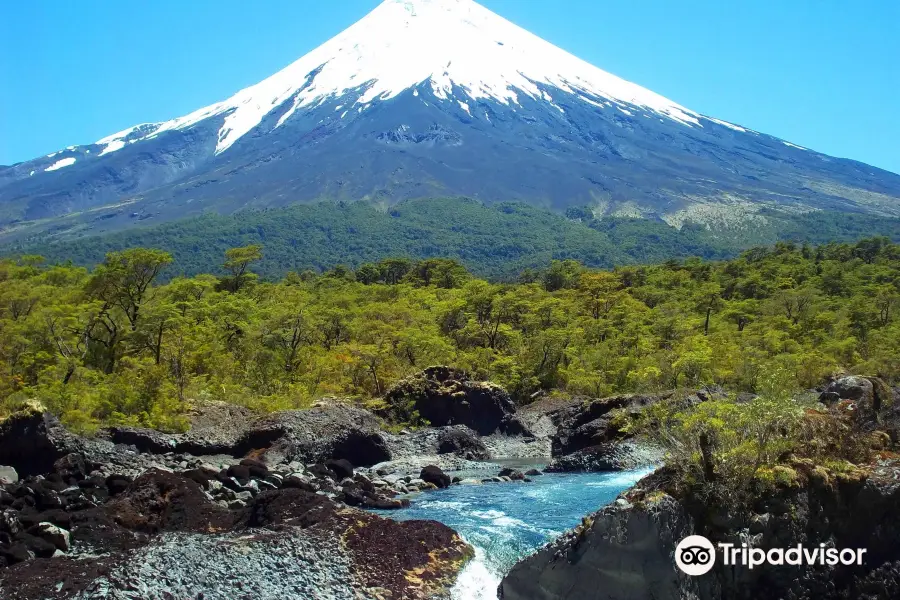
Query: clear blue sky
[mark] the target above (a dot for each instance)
(820, 73)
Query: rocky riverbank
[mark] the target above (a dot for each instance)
(145, 525)
(626, 550)
(276, 499)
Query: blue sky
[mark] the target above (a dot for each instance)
(820, 73)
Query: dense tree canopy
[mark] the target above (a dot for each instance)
(497, 241)
(121, 344)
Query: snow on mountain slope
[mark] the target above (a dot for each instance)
(406, 42)
(428, 99)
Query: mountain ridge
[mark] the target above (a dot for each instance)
(375, 114)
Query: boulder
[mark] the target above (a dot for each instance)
(317, 434)
(512, 474)
(159, 500)
(870, 399)
(589, 422)
(627, 556)
(144, 440)
(341, 468)
(15, 553)
(8, 475)
(255, 468)
(609, 456)
(850, 387)
(444, 396)
(71, 466)
(40, 547)
(59, 537)
(32, 440)
(463, 442)
(435, 476)
(299, 482)
(239, 472)
(116, 484)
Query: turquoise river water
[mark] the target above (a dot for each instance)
(507, 521)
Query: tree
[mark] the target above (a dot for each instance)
(602, 291)
(125, 277)
(394, 269)
(561, 274)
(237, 261)
(367, 274)
(120, 285)
(709, 298)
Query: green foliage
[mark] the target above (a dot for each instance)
(123, 344)
(726, 449)
(497, 241)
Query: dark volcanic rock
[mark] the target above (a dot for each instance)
(434, 475)
(159, 500)
(462, 442)
(870, 398)
(513, 474)
(588, 435)
(591, 422)
(342, 468)
(627, 549)
(609, 456)
(315, 435)
(32, 440)
(145, 440)
(445, 396)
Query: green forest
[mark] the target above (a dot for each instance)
(496, 241)
(124, 343)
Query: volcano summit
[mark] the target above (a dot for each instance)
(428, 98)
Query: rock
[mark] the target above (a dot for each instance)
(145, 440)
(585, 423)
(320, 471)
(462, 442)
(850, 387)
(363, 448)
(16, 553)
(533, 472)
(336, 431)
(40, 547)
(116, 484)
(445, 396)
(8, 475)
(300, 482)
(32, 440)
(389, 503)
(610, 456)
(869, 399)
(255, 468)
(71, 467)
(511, 474)
(626, 549)
(435, 476)
(59, 537)
(341, 468)
(239, 472)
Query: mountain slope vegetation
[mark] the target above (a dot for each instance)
(117, 346)
(496, 241)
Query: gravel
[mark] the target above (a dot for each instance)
(289, 564)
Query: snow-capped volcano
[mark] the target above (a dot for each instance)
(403, 43)
(438, 97)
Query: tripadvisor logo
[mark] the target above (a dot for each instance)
(696, 555)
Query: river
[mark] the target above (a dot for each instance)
(506, 521)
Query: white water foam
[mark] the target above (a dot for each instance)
(476, 581)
